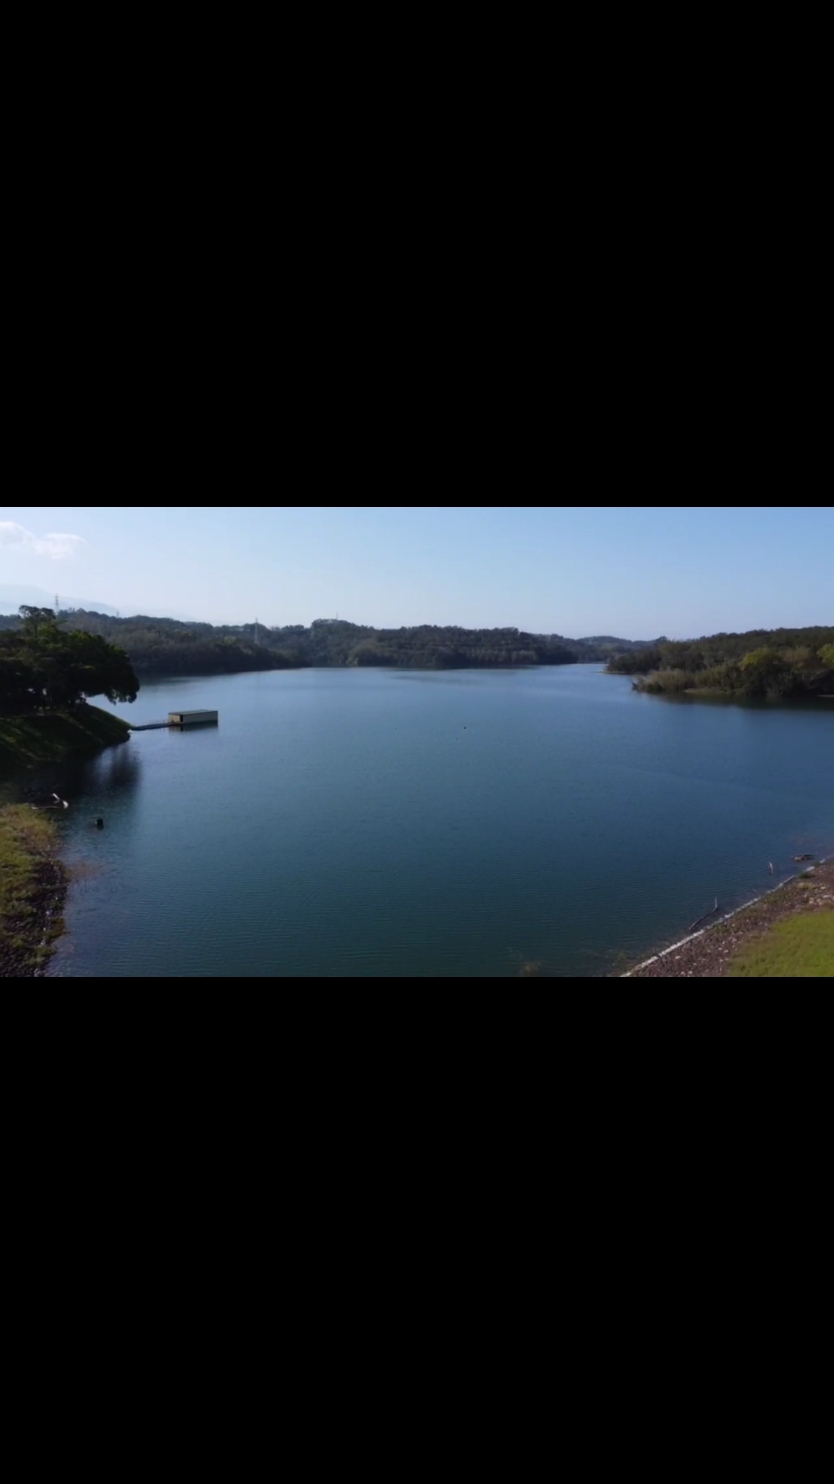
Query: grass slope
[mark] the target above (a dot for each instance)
(25, 740)
(801, 947)
(32, 887)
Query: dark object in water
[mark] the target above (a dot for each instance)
(99, 824)
(699, 920)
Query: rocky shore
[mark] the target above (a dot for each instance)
(709, 953)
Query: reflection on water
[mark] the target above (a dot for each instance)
(113, 774)
(116, 771)
(748, 703)
(451, 677)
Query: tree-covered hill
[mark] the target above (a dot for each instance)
(762, 662)
(428, 646)
(779, 661)
(170, 647)
(167, 646)
(46, 667)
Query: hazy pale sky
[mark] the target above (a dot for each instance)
(574, 570)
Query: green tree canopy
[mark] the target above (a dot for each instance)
(777, 663)
(45, 667)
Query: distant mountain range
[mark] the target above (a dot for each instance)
(12, 597)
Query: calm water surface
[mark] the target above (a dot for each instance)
(375, 822)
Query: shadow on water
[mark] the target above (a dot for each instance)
(820, 704)
(108, 776)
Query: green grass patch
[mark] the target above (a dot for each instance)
(26, 740)
(801, 947)
(32, 884)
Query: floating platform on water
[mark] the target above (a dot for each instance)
(192, 718)
(180, 719)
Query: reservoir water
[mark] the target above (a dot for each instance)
(370, 822)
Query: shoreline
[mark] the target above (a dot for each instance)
(52, 737)
(33, 878)
(33, 887)
(708, 954)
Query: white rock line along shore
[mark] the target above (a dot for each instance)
(690, 938)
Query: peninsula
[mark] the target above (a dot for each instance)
(779, 664)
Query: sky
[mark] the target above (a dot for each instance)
(635, 572)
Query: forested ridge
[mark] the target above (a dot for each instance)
(171, 647)
(777, 663)
(56, 658)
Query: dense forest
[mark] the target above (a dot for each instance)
(169, 647)
(428, 647)
(53, 660)
(44, 657)
(46, 667)
(780, 663)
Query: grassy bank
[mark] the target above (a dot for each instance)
(32, 888)
(788, 931)
(26, 740)
(800, 948)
